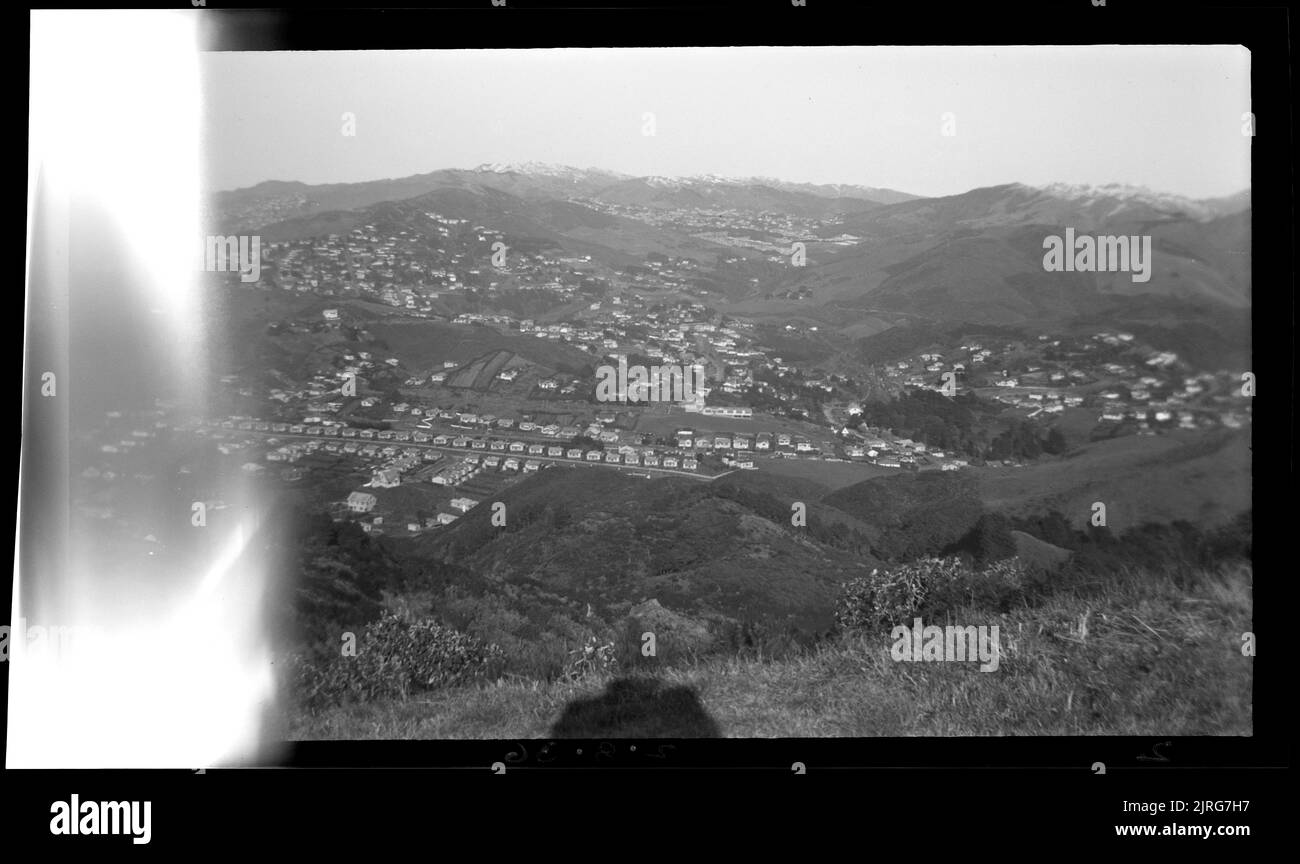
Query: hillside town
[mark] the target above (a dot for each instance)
(456, 429)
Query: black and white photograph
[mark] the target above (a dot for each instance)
(624, 394)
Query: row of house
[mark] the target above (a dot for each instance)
(764, 441)
(627, 456)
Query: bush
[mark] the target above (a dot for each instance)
(926, 587)
(883, 598)
(763, 638)
(988, 541)
(395, 658)
(995, 588)
(592, 658)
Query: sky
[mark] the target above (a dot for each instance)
(1165, 117)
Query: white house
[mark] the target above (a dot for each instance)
(361, 502)
(386, 478)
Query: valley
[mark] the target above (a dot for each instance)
(886, 378)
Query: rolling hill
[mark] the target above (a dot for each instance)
(248, 209)
(975, 258)
(978, 256)
(710, 551)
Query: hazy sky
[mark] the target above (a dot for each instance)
(1165, 117)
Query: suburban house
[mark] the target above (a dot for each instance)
(361, 502)
(726, 411)
(386, 478)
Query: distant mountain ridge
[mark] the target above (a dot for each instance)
(972, 257)
(533, 179)
(583, 175)
(1080, 193)
(1023, 202)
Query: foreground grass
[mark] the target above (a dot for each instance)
(1135, 658)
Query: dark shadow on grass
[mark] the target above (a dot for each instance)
(637, 708)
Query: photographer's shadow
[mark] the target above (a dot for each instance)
(637, 708)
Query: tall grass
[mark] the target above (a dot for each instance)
(1134, 651)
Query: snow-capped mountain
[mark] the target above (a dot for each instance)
(1122, 200)
(833, 190)
(548, 169)
(703, 184)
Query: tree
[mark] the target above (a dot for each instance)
(1056, 443)
(990, 540)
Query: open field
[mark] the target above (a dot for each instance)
(427, 344)
(478, 374)
(667, 423)
(833, 475)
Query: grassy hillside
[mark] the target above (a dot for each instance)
(1139, 655)
(915, 513)
(704, 549)
(1199, 478)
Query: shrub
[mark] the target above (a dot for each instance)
(988, 540)
(926, 587)
(591, 658)
(995, 587)
(764, 638)
(395, 658)
(883, 598)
